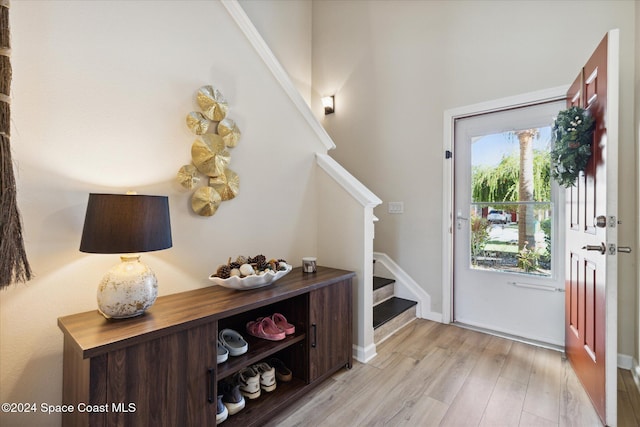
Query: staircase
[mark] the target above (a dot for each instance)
(390, 313)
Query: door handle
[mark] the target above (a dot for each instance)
(602, 248)
(459, 219)
(459, 216)
(315, 335)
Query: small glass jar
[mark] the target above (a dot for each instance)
(309, 264)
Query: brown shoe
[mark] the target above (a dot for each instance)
(283, 373)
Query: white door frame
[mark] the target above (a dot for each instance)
(450, 116)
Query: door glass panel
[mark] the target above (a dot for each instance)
(511, 208)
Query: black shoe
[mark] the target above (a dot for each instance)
(231, 397)
(222, 413)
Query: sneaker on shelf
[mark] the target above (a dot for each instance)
(283, 374)
(231, 396)
(221, 411)
(267, 376)
(249, 381)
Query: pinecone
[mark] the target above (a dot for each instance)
(259, 259)
(234, 264)
(224, 272)
(260, 266)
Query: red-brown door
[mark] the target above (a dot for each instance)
(590, 274)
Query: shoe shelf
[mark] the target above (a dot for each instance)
(165, 361)
(259, 349)
(268, 404)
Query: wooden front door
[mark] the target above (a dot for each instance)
(591, 313)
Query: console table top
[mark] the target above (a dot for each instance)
(92, 334)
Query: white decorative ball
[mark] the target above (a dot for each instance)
(246, 270)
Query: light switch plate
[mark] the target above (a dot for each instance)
(396, 207)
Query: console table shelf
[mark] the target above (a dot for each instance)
(259, 350)
(164, 362)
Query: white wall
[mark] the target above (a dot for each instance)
(285, 26)
(100, 94)
(396, 66)
(345, 240)
(636, 355)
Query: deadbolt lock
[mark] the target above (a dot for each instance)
(602, 221)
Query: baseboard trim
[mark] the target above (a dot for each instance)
(625, 362)
(364, 354)
(635, 372)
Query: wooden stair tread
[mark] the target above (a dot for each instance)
(380, 282)
(389, 309)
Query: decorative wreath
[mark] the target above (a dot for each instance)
(572, 135)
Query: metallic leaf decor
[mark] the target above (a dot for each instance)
(212, 103)
(188, 176)
(209, 153)
(197, 123)
(205, 201)
(229, 132)
(227, 184)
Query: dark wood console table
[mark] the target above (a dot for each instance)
(160, 369)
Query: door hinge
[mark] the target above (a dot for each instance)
(448, 154)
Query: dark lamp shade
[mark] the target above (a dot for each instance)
(121, 224)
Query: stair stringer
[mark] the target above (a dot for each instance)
(405, 286)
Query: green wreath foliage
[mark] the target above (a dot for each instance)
(572, 135)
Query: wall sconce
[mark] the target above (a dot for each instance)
(328, 104)
(127, 225)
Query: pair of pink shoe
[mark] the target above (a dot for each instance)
(274, 328)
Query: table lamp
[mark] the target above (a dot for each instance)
(126, 224)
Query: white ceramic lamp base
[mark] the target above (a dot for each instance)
(127, 290)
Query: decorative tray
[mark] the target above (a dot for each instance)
(250, 282)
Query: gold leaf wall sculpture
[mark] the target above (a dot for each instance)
(210, 154)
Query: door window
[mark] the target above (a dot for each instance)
(511, 208)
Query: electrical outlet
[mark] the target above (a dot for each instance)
(396, 207)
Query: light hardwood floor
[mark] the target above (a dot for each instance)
(430, 374)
